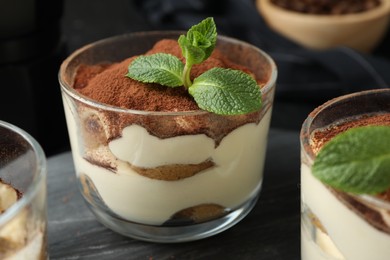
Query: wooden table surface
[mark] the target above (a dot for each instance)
(270, 231)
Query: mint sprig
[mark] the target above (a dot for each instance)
(356, 161)
(219, 90)
(161, 68)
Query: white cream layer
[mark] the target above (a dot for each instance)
(141, 149)
(236, 177)
(353, 237)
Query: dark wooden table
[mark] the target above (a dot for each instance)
(271, 231)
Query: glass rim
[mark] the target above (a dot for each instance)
(270, 84)
(39, 176)
(308, 151)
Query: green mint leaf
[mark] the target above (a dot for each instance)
(161, 68)
(192, 54)
(226, 92)
(356, 161)
(206, 29)
(199, 38)
(201, 41)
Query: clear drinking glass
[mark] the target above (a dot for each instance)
(184, 186)
(23, 217)
(334, 224)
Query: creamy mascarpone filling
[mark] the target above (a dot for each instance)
(353, 237)
(139, 148)
(236, 176)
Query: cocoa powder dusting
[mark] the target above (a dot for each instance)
(322, 136)
(86, 73)
(109, 84)
(103, 83)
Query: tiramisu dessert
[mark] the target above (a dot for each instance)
(20, 237)
(337, 224)
(148, 154)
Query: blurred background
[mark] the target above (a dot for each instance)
(36, 38)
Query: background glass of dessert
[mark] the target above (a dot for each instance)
(23, 215)
(335, 224)
(170, 176)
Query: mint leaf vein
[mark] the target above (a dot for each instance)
(226, 91)
(356, 161)
(161, 68)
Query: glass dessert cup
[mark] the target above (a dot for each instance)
(23, 215)
(334, 224)
(166, 176)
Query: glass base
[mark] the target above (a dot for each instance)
(173, 234)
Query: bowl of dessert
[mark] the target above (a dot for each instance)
(319, 25)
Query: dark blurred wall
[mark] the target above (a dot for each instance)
(30, 53)
(37, 35)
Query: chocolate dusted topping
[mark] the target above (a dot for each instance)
(87, 72)
(112, 86)
(103, 83)
(321, 136)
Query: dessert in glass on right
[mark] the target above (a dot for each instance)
(345, 178)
